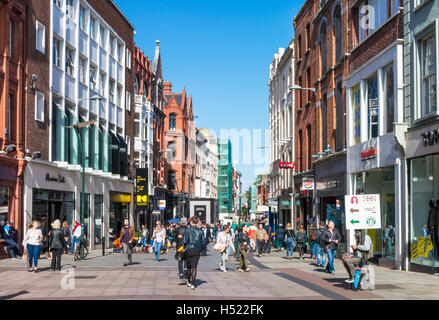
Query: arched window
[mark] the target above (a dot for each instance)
(337, 33)
(323, 46)
(172, 122)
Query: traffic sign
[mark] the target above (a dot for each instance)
(363, 212)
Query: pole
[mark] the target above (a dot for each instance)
(82, 191)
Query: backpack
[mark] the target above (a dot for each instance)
(314, 236)
(301, 238)
(392, 233)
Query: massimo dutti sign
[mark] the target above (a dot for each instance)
(58, 179)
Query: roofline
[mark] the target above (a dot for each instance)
(123, 15)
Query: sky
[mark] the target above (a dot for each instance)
(221, 52)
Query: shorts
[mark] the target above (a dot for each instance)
(192, 258)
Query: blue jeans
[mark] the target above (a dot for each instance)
(313, 249)
(34, 254)
(11, 247)
(331, 257)
(157, 249)
(321, 256)
(75, 241)
(290, 248)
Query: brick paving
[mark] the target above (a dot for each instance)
(271, 278)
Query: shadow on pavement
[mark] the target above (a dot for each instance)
(12, 296)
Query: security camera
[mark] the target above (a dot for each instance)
(11, 148)
(36, 155)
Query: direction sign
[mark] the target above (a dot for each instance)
(363, 212)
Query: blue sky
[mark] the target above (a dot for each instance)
(221, 52)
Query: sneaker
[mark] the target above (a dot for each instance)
(6, 251)
(188, 284)
(192, 287)
(332, 273)
(349, 281)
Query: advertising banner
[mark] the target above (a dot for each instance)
(356, 113)
(363, 212)
(141, 187)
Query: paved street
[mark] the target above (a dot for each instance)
(272, 277)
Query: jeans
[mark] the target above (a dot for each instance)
(12, 245)
(157, 249)
(75, 241)
(388, 241)
(312, 247)
(127, 250)
(290, 248)
(331, 257)
(182, 268)
(321, 256)
(224, 258)
(34, 253)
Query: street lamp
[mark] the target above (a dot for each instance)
(76, 127)
(296, 87)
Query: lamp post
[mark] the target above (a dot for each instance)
(76, 128)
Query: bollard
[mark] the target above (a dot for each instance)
(103, 246)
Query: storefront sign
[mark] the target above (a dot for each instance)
(142, 187)
(286, 165)
(363, 212)
(285, 203)
(262, 209)
(430, 137)
(272, 203)
(328, 185)
(162, 205)
(369, 154)
(59, 179)
(121, 198)
(308, 184)
(422, 248)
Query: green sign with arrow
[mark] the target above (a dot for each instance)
(354, 222)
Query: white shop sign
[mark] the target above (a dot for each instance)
(363, 212)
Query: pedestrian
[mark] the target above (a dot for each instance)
(208, 233)
(291, 241)
(231, 246)
(321, 254)
(145, 235)
(261, 239)
(25, 256)
(313, 240)
(224, 240)
(67, 236)
(193, 241)
(280, 237)
(267, 248)
(10, 237)
(332, 238)
(244, 241)
(362, 253)
(180, 253)
(76, 235)
(159, 238)
(34, 241)
(252, 236)
(205, 232)
(301, 240)
(127, 235)
(56, 244)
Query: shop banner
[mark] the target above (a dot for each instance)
(142, 187)
(356, 113)
(363, 212)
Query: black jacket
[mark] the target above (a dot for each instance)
(289, 233)
(179, 231)
(193, 239)
(243, 237)
(335, 236)
(56, 239)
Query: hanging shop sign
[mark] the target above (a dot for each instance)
(422, 248)
(162, 205)
(430, 138)
(142, 187)
(287, 165)
(363, 212)
(307, 184)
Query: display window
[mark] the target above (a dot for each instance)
(424, 217)
(333, 209)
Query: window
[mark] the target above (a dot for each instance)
(136, 85)
(309, 152)
(119, 52)
(137, 124)
(113, 46)
(339, 143)
(57, 3)
(112, 91)
(299, 92)
(128, 101)
(93, 78)
(171, 180)
(373, 14)
(172, 151)
(10, 112)
(301, 161)
(57, 52)
(82, 70)
(11, 37)
(128, 59)
(93, 25)
(324, 122)
(41, 37)
(70, 64)
(172, 122)
(103, 41)
(308, 37)
(308, 84)
(323, 47)
(82, 19)
(39, 106)
(373, 107)
(299, 46)
(389, 97)
(337, 33)
(428, 76)
(119, 96)
(128, 140)
(70, 9)
(102, 80)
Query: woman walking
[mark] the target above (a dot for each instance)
(332, 238)
(193, 241)
(224, 240)
(57, 244)
(33, 241)
(159, 237)
(301, 240)
(321, 255)
(67, 238)
(291, 241)
(244, 241)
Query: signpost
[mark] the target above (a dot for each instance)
(363, 212)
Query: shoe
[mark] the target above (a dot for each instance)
(248, 270)
(192, 287)
(240, 270)
(30, 270)
(260, 256)
(181, 276)
(6, 251)
(224, 270)
(188, 284)
(37, 270)
(349, 281)
(332, 273)
(125, 264)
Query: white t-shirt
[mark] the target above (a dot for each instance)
(160, 236)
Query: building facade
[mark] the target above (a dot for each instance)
(225, 179)
(282, 118)
(80, 59)
(212, 162)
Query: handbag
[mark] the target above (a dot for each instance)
(220, 247)
(244, 247)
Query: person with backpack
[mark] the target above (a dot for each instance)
(362, 253)
(180, 253)
(313, 240)
(280, 237)
(193, 241)
(301, 240)
(291, 241)
(332, 238)
(321, 255)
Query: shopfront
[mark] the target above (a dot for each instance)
(304, 193)
(423, 166)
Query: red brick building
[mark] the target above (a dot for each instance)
(12, 110)
(180, 143)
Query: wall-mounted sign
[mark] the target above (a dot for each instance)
(59, 179)
(363, 212)
(142, 187)
(285, 203)
(430, 137)
(327, 185)
(287, 165)
(162, 205)
(308, 184)
(369, 154)
(121, 198)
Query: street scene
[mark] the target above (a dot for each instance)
(219, 150)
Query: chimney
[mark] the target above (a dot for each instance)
(167, 88)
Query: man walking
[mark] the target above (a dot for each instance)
(261, 238)
(179, 255)
(280, 236)
(267, 248)
(10, 235)
(127, 235)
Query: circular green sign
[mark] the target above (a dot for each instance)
(371, 221)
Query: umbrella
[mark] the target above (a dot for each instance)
(174, 221)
